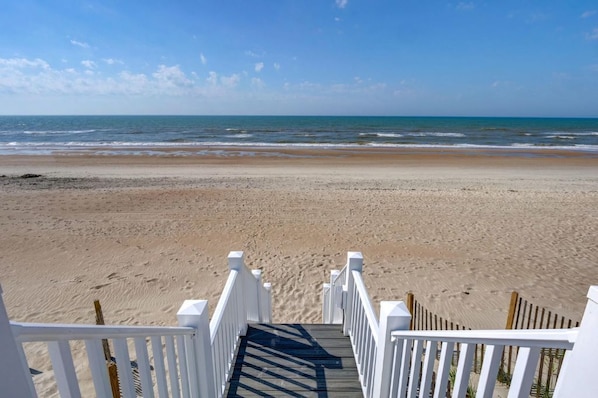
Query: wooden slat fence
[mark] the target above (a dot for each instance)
(522, 315)
(526, 315)
(423, 319)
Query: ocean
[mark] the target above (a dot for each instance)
(158, 135)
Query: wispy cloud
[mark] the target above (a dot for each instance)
(588, 14)
(342, 3)
(203, 59)
(257, 82)
(276, 66)
(79, 44)
(259, 66)
(252, 54)
(593, 35)
(89, 64)
(112, 61)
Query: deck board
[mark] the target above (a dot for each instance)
(294, 360)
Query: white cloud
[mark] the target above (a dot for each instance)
(588, 13)
(257, 82)
(276, 66)
(230, 81)
(24, 63)
(171, 76)
(214, 80)
(250, 53)
(341, 3)
(259, 66)
(203, 59)
(89, 64)
(593, 35)
(79, 44)
(112, 61)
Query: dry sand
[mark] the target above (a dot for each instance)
(461, 230)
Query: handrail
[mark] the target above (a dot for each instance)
(43, 332)
(544, 338)
(368, 307)
(223, 304)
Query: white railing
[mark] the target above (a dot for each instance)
(244, 299)
(192, 360)
(417, 353)
(167, 344)
(395, 362)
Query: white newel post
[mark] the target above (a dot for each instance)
(354, 263)
(194, 313)
(267, 303)
(15, 380)
(326, 303)
(335, 310)
(257, 274)
(578, 375)
(394, 315)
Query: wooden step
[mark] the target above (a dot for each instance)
(294, 360)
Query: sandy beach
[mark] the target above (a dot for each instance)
(458, 229)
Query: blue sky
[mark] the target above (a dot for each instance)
(319, 57)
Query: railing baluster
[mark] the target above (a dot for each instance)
(123, 364)
(97, 366)
(159, 366)
(444, 366)
(523, 374)
(64, 369)
(143, 367)
(463, 370)
(416, 360)
(490, 366)
(405, 363)
(428, 368)
(173, 373)
(184, 372)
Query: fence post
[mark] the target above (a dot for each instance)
(578, 374)
(411, 308)
(394, 315)
(15, 380)
(512, 307)
(194, 313)
(354, 263)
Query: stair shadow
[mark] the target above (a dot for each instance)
(275, 361)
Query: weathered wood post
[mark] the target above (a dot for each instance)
(354, 263)
(578, 374)
(111, 366)
(411, 308)
(394, 315)
(15, 380)
(200, 363)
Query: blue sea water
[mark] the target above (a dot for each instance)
(47, 134)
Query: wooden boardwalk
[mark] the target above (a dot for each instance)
(294, 360)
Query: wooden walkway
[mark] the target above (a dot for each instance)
(294, 360)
